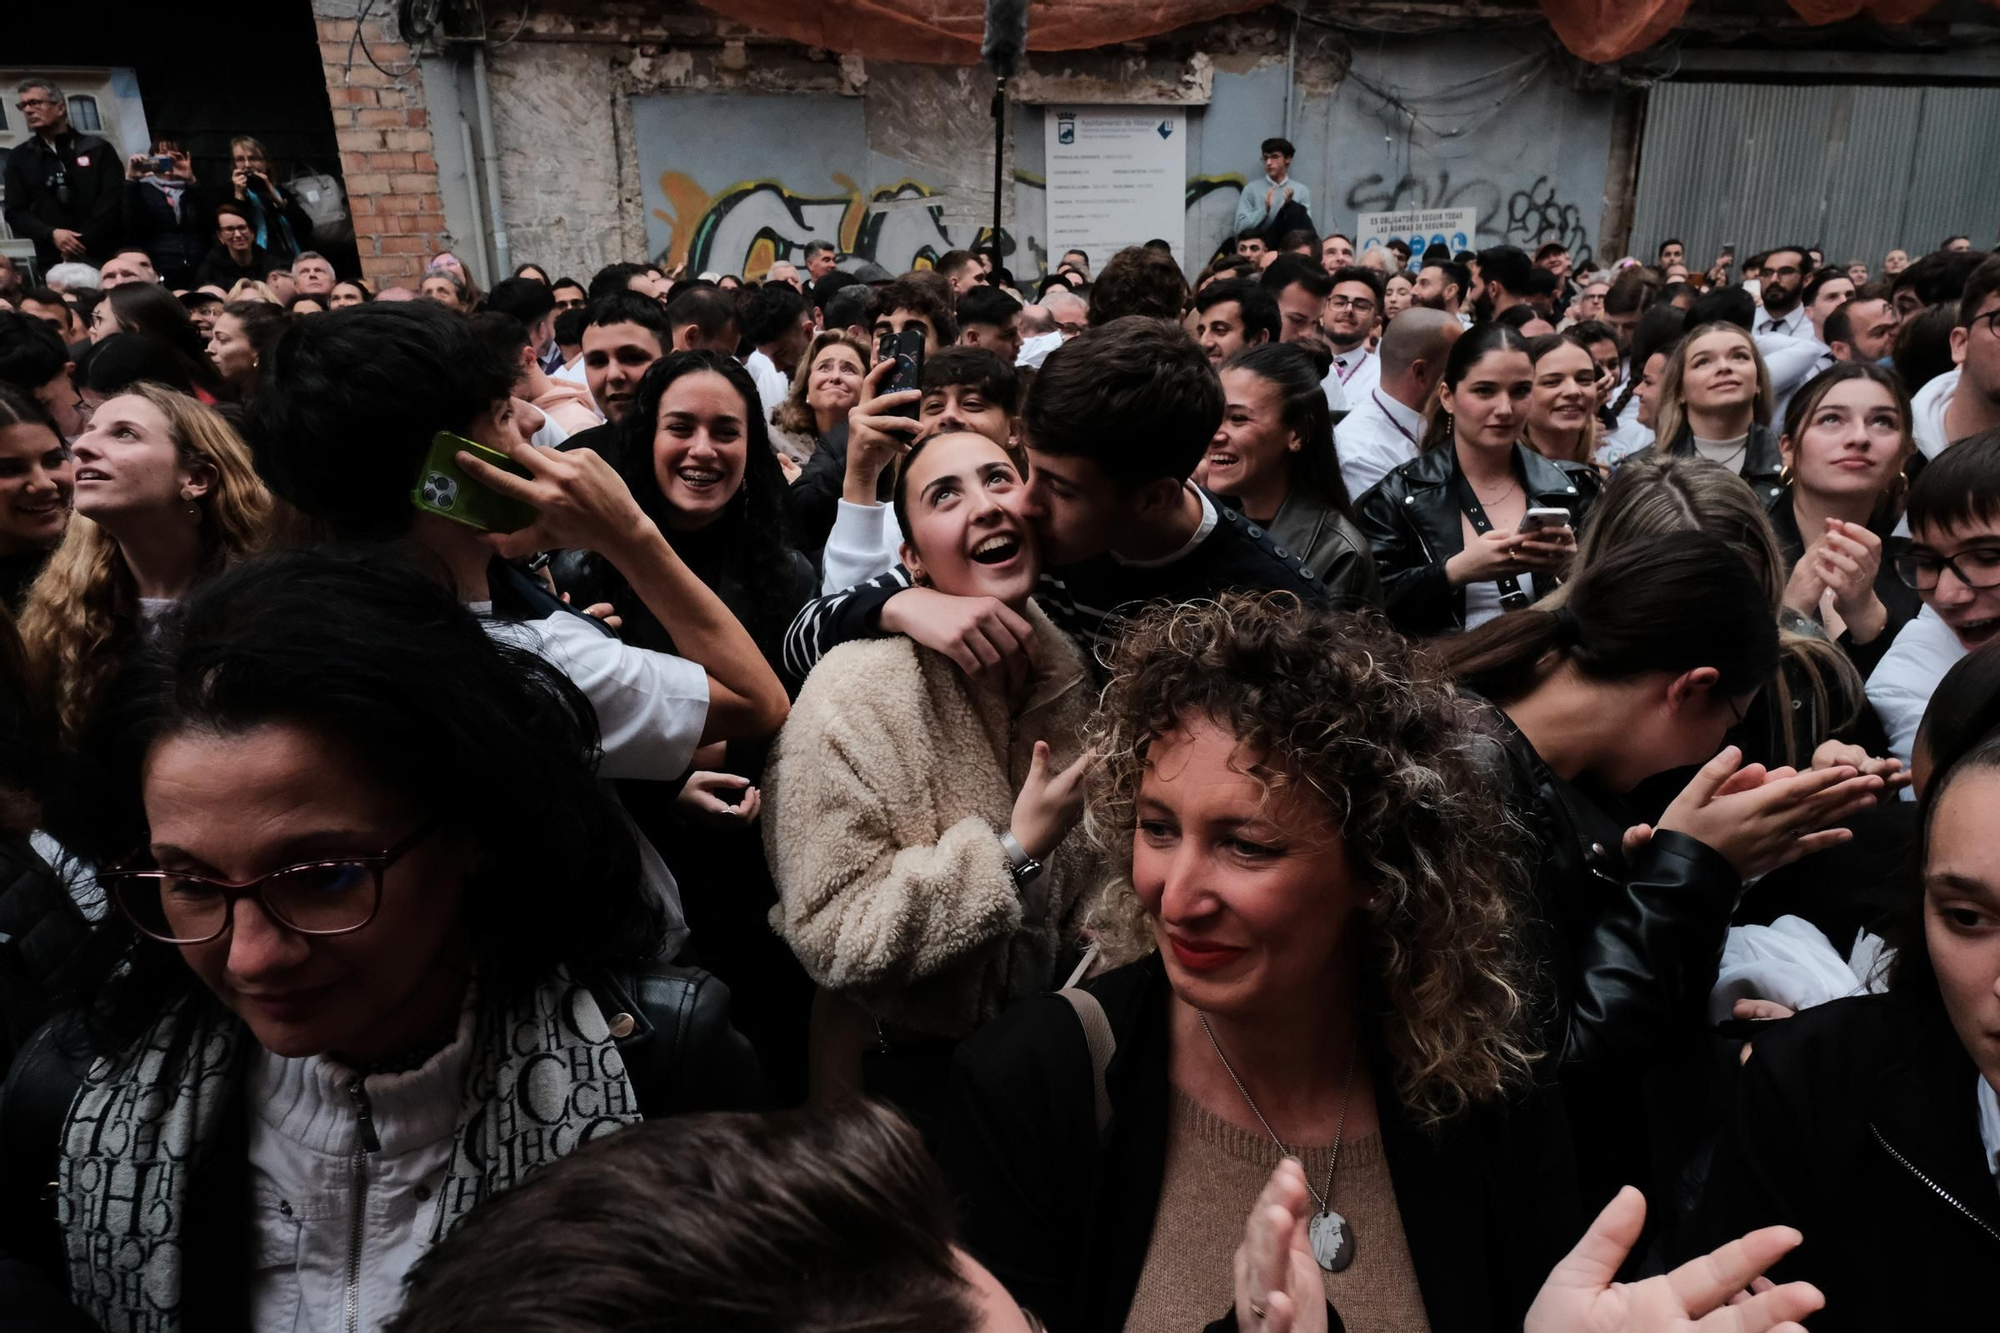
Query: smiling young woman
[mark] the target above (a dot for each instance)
(919, 820)
(1319, 958)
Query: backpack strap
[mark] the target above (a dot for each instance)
(1098, 1037)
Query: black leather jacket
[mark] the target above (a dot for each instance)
(1628, 952)
(1763, 465)
(1411, 519)
(681, 1054)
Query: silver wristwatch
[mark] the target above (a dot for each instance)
(1023, 867)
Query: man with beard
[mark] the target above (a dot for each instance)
(1346, 321)
(1784, 285)
(1500, 278)
(1441, 285)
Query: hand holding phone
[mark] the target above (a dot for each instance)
(445, 488)
(577, 502)
(1540, 520)
(906, 349)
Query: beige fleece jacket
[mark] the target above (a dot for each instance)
(884, 802)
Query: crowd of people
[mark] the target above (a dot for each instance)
(1377, 792)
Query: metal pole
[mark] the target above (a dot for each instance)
(999, 162)
(503, 260)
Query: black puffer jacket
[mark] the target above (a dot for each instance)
(1411, 519)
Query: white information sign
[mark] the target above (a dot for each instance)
(1453, 228)
(1117, 176)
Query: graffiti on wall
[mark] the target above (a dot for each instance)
(747, 227)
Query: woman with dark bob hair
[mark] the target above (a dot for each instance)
(384, 953)
(1317, 952)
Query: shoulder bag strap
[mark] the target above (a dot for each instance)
(1097, 1036)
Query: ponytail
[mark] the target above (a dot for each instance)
(1674, 603)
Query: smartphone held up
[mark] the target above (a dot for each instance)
(443, 488)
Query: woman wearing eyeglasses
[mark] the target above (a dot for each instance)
(1953, 563)
(383, 953)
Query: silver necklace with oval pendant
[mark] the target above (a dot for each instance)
(1331, 1235)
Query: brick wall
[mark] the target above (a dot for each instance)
(384, 133)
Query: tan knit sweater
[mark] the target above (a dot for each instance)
(1215, 1171)
(885, 799)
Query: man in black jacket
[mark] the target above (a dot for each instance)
(63, 188)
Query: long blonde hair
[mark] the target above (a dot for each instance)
(1671, 415)
(1656, 494)
(795, 414)
(84, 601)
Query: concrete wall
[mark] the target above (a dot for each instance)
(659, 130)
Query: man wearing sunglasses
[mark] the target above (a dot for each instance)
(1965, 400)
(1953, 562)
(63, 187)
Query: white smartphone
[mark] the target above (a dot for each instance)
(1538, 520)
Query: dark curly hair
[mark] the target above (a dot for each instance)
(1342, 706)
(753, 549)
(374, 651)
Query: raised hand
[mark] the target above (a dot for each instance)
(1774, 824)
(1710, 1294)
(1050, 801)
(580, 501)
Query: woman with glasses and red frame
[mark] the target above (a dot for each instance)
(383, 953)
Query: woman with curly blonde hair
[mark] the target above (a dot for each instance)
(166, 498)
(1321, 958)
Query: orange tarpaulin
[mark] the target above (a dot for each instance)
(947, 32)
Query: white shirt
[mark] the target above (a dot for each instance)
(1787, 324)
(1628, 437)
(1790, 360)
(772, 386)
(303, 1133)
(550, 435)
(1900, 687)
(572, 372)
(1036, 350)
(1927, 411)
(1358, 371)
(1373, 440)
(650, 706)
(863, 545)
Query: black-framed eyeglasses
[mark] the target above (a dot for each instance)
(1991, 319)
(332, 897)
(1360, 304)
(27, 102)
(1976, 568)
